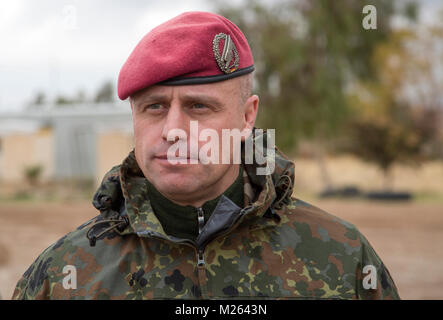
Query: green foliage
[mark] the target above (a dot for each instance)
(399, 136)
(33, 173)
(40, 98)
(411, 10)
(306, 53)
(22, 195)
(62, 100)
(78, 99)
(105, 93)
(387, 127)
(384, 142)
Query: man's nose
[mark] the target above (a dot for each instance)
(176, 123)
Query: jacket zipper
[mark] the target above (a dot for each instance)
(200, 259)
(201, 267)
(200, 251)
(201, 219)
(201, 223)
(193, 244)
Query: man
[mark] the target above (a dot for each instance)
(174, 225)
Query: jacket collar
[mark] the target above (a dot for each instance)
(124, 192)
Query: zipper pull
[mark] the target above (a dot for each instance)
(200, 259)
(201, 219)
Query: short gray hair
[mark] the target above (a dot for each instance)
(246, 86)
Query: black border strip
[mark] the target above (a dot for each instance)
(168, 309)
(207, 79)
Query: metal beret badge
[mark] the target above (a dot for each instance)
(228, 60)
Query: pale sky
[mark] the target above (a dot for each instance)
(60, 47)
(64, 46)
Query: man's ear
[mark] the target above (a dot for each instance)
(250, 113)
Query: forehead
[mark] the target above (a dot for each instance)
(222, 90)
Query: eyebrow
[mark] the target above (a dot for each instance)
(205, 99)
(151, 98)
(202, 98)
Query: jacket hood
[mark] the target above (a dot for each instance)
(122, 195)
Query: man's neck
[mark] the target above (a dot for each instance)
(182, 221)
(209, 193)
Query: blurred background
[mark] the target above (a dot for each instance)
(356, 100)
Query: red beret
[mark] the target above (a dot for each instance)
(192, 48)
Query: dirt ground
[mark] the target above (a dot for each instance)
(407, 236)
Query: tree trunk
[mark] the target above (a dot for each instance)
(324, 173)
(388, 179)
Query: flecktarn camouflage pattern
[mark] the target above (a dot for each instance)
(275, 247)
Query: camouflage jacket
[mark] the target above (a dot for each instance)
(276, 246)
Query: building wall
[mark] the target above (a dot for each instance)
(71, 149)
(112, 149)
(22, 150)
(75, 144)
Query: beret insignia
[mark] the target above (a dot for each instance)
(226, 57)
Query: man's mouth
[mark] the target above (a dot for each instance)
(161, 157)
(173, 158)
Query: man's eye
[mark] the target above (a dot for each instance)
(154, 106)
(199, 106)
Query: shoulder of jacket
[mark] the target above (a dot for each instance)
(34, 282)
(321, 224)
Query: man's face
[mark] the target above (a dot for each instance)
(159, 109)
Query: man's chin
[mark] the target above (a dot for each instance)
(177, 184)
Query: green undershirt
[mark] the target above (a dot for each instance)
(181, 221)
